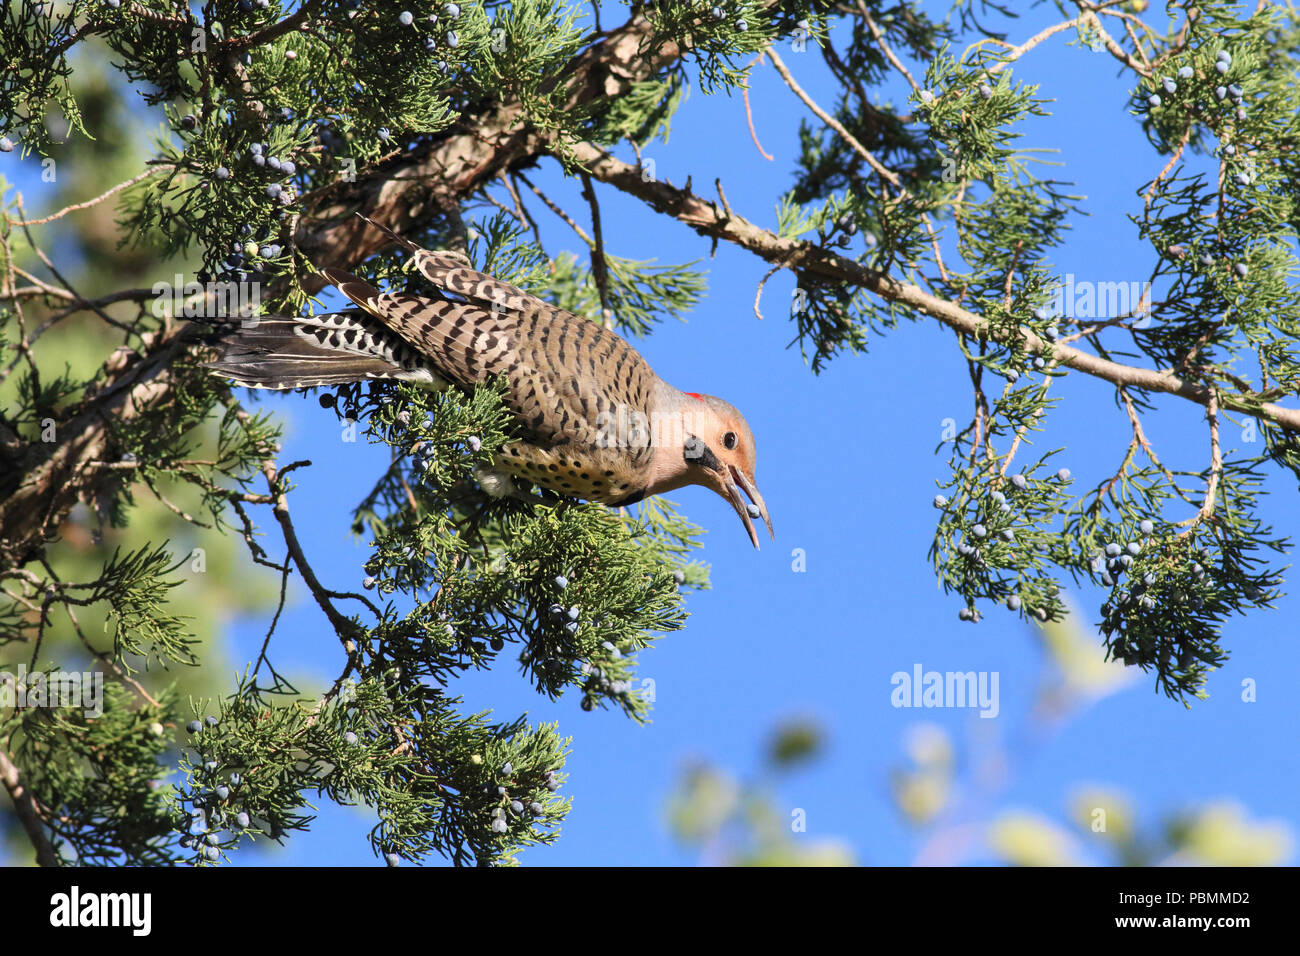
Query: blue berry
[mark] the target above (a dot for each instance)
(453, 41)
(1063, 474)
(288, 167)
(114, 3)
(1107, 580)
(1149, 578)
(979, 531)
(1220, 92)
(1207, 260)
(1185, 73)
(742, 26)
(1013, 602)
(940, 501)
(1234, 91)
(507, 769)
(986, 91)
(1112, 550)
(1009, 536)
(1230, 150)
(210, 766)
(1146, 526)
(406, 18)
(998, 498)
(222, 792)
(273, 162)
(1019, 481)
(1154, 101)
(1223, 55)
(573, 613)
(430, 44)
(1223, 66)
(1133, 548)
(561, 581)
(1169, 85)
(383, 134)
(211, 721)
(273, 191)
(194, 726)
(537, 809)
(212, 854)
(499, 825)
(571, 627)
(392, 859)
(718, 14)
(516, 806)
(1241, 269)
(236, 779)
(259, 159)
(1241, 116)
(351, 738)
(221, 172)
(242, 820)
(451, 10)
(6, 144)
(212, 839)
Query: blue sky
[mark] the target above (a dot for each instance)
(847, 466)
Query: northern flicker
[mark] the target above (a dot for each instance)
(595, 421)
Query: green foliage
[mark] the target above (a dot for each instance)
(964, 215)
(457, 580)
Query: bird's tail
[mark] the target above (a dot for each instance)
(335, 348)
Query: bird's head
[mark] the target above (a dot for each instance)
(719, 453)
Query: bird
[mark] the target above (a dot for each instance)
(594, 420)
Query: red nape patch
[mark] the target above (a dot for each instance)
(695, 395)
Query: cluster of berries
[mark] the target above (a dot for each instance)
(499, 817)
(208, 814)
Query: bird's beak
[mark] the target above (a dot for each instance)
(734, 480)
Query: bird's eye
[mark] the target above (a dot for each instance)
(729, 440)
